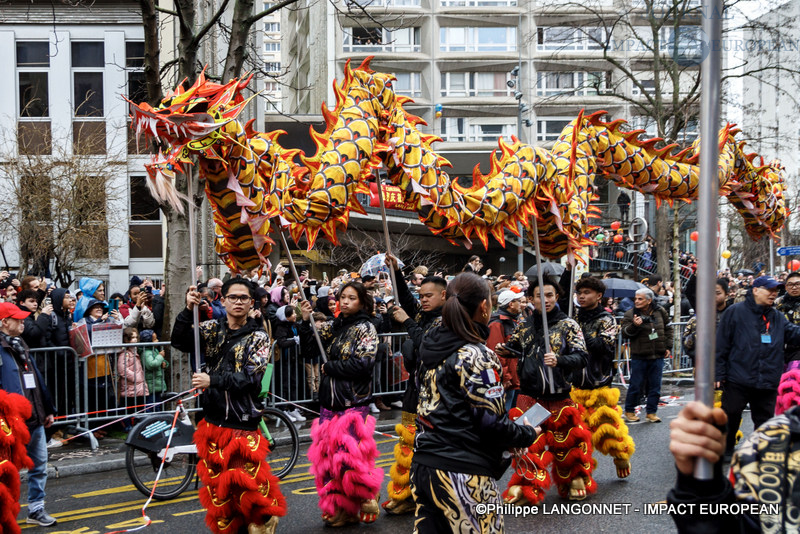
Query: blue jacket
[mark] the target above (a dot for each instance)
(742, 358)
(11, 381)
(88, 287)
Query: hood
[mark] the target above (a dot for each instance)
(146, 336)
(281, 313)
(93, 302)
(750, 299)
(440, 343)
(89, 286)
(276, 295)
(57, 298)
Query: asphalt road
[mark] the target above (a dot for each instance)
(105, 502)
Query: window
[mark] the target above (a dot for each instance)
(33, 130)
(476, 130)
(479, 3)
(134, 54)
(487, 84)
(381, 40)
(648, 124)
(648, 85)
(145, 221)
(271, 86)
(563, 38)
(481, 39)
(88, 84)
(90, 215)
(384, 3)
(273, 66)
(549, 129)
(407, 84)
(272, 47)
(272, 27)
(137, 90)
(570, 83)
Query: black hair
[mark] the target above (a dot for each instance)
(367, 278)
(652, 280)
(119, 296)
(288, 312)
(465, 293)
(26, 294)
(590, 282)
(725, 284)
(793, 274)
(435, 280)
(367, 303)
(547, 280)
(241, 282)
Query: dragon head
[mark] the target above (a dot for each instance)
(186, 121)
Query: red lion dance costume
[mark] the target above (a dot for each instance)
(14, 436)
(238, 470)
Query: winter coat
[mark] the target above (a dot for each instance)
(131, 375)
(59, 335)
(566, 341)
(690, 332)
(501, 326)
(14, 357)
(788, 306)
(351, 344)
(37, 330)
(654, 319)
(88, 287)
(153, 372)
(462, 424)
(742, 357)
(141, 319)
(600, 334)
(235, 360)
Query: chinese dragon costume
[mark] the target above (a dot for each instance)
(14, 436)
(250, 178)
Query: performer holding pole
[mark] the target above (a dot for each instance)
(193, 270)
(386, 235)
(540, 276)
(418, 318)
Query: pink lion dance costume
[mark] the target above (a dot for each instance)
(14, 436)
(789, 388)
(343, 454)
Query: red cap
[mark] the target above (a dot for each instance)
(10, 310)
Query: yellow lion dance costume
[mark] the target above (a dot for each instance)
(400, 500)
(603, 416)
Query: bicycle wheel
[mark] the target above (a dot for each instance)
(284, 442)
(176, 475)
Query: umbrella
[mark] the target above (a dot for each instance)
(620, 287)
(549, 268)
(746, 272)
(376, 264)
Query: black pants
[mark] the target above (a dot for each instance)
(734, 399)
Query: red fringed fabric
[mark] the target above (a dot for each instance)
(239, 487)
(14, 437)
(565, 441)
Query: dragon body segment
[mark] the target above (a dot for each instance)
(251, 178)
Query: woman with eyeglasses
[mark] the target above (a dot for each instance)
(343, 449)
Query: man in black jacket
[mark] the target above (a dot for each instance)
(750, 346)
(229, 444)
(789, 305)
(427, 314)
(648, 327)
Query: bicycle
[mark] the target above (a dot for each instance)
(148, 439)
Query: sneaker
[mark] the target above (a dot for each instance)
(397, 404)
(290, 415)
(40, 517)
(373, 408)
(653, 418)
(298, 416)
(631, 417)
(54, 443)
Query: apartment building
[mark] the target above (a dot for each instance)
(60, 100)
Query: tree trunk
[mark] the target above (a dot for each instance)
(237, 47)
(152, 60)
(676, 269)
(663, 241)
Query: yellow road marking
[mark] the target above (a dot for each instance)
(130, 487)
(201, 510)
(103, 510)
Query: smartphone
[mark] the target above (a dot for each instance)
(148, 289)
(46, 302)
(537, 415)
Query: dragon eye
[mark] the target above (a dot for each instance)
(199, 107)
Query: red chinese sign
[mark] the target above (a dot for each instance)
(393, 198)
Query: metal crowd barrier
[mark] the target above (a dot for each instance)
(87, 391)
(679, 362)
